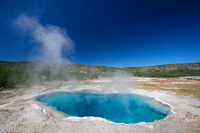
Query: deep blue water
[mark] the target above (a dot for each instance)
(119, 108)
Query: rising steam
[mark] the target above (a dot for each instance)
(52, 45)
(50, 40)
(118, 82)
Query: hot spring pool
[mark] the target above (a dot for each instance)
(118, 108)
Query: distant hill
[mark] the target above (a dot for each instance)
(72, 68)
(193, 66)
(168, 70)
(12, 73)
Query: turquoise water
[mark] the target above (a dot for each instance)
(119, 108)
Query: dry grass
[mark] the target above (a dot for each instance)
(148, 86)
(166, 85)
(3, 94)
(192, 89)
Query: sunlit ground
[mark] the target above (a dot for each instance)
(19, 112)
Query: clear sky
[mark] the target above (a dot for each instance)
(117, 33)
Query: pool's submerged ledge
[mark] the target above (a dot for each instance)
(58, 115)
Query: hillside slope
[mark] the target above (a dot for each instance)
(12, 73)
(169, 70)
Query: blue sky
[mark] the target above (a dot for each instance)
(117, 33)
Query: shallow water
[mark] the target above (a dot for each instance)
(119, 108)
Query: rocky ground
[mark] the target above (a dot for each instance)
(19, 112)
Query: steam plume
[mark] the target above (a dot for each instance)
(52, 45)
(119, 82)
(51, 40)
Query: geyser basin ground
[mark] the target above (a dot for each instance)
(119, 108)
(20, 112)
